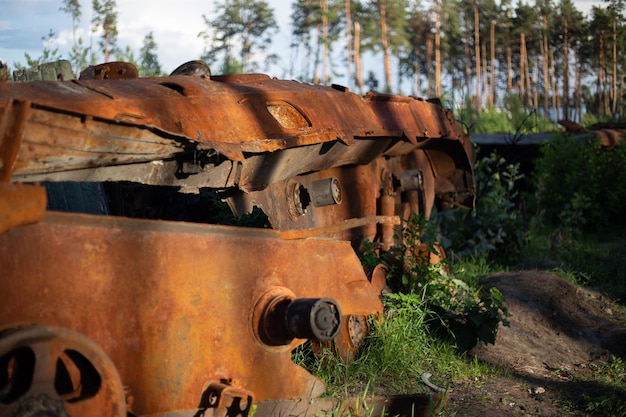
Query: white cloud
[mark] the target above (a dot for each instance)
(5, 25)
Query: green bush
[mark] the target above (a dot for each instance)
(581, 185)
(464, 313)
(510, 117)
(495, 226)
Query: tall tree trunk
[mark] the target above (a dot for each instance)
(429, 66)
(578, 86)
(324, 7)
(614, 79)
(357, 57)
(106, 48)
(556, 101)
(438, 49)
(566, 114)
(485, 87)
(523, 63)
(509, 60)
(545, 52)
(509, 68)
(418, 76)
(492, 94)
(349, 52)
(527, 87)
(620, 96)
(468, 69)
(603, 98)
(536, 85)
(477, 57)
(385, 44)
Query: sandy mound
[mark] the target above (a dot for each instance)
(555, 328)
(559, 334)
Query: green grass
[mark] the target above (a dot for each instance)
(396, 353)
(604, 393)
(404, 345)
(592, 259)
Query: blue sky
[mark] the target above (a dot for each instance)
(175, 25)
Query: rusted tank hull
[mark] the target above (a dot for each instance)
(173, 304)
(193, 316)
(240, 132)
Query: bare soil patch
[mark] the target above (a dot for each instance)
(559, 334)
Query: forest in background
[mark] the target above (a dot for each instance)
(546, 54)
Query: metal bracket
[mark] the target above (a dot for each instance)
(225, 400)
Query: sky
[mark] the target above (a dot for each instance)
(175, 26)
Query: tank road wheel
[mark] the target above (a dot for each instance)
(350, 339)
(55, 372)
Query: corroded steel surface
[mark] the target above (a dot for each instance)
(246, 132)
(172, 304)
(196, 316)
(86, 382)
(246, 114)
(21, 204)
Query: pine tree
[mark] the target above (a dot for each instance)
(78, 53)
(105, 19)
(149, 65)
(246, 26)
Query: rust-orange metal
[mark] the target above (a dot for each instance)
(173, 304)
(249, 133)
(90, 384)
(194, 316)
(21, 204)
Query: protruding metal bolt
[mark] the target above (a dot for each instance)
(326, 192)
(313, 318)
(279, 317)
(411, 180)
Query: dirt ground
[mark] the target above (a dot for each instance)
(559, 334)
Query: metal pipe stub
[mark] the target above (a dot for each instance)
(280, 317)
(313, 318)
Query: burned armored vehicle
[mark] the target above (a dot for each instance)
(112, 315)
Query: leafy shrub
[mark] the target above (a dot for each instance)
(510, 117)
(580, 185)
(495, 226)
(467, 314)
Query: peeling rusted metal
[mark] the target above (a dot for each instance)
(55, 371)
(21, 204)
(110, 71)
(13, 117)
(264, 124)
(204, 318)
(172, 303)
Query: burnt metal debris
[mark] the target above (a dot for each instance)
(107, 315)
